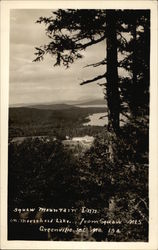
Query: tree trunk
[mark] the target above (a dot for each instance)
(134, 102)
(113, 99)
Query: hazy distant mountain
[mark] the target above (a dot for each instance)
(64, 105)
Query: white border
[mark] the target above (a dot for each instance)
(153, 150)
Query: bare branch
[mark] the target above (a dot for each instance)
(101, 84)
(93, 80)
(103, 62)
(103, 116)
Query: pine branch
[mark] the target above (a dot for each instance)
(92, 42)
(61, 44)
(93, 80)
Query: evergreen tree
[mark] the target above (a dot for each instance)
(72, 31)
(135, 88)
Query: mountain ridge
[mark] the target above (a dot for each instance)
(60, 105)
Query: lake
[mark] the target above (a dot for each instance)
(94, 120)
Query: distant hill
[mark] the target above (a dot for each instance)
(51, 114)
(61, 106)
(50, 120)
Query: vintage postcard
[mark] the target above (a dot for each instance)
(79, 125)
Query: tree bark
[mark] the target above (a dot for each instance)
(113, 99)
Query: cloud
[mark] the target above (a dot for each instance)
(41, 82)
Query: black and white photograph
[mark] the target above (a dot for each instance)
(78, 125)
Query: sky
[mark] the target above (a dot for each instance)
(41, 82)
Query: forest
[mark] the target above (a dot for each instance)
(112, 176)
(26, 121)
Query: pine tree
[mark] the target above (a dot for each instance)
(135, 88)
(73, 31)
